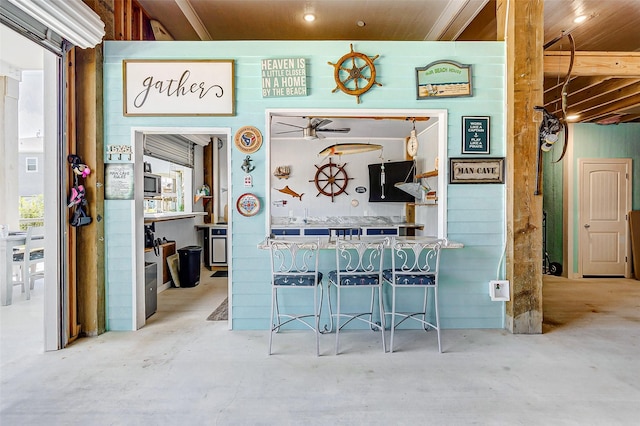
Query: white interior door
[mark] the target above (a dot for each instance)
(605, 200)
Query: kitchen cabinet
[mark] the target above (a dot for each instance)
(215, 246)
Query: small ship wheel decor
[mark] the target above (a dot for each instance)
(248, 139)
(331, 180)
(248, 204)
(355, 73)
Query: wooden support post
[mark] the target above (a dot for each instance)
(89, 134)
(520, 24)
(90, 238)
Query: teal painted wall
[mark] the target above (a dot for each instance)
(589, 141)
(613, 141)
(552, 187)
(475, 212)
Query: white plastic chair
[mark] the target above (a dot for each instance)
(415, 264)
(294, 267)
(359, 266)
(27, 264)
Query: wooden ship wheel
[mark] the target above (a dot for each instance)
(354, 73)
(331, 180)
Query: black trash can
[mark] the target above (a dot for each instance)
(189, 266)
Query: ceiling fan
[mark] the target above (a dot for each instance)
(314, 128)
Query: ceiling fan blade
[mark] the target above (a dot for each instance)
(288, 131)
(287, 124)
(319, 122)
(343, 130)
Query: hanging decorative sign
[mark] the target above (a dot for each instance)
(248, 139)
(475, 135)
(119, 150)
(248, 204)
(443, 79)
(476, 170)
(284, 77)
(118, 181)
(178, 87)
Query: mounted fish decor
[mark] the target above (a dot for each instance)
(246, 165)
(282, 172)
(349, 148)
(289, 191)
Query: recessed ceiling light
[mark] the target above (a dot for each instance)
(580, 19)
(309, 17)
(361, 23)
(573, 117)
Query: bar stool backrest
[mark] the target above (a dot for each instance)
(294, 260)
(416, 257)
(360, 257)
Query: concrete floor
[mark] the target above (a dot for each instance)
(181, 369)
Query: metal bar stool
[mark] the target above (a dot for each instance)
(359, 266)
(415, 264)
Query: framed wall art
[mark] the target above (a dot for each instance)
(178, 87)
(475, 135)
(443, 79)
(476, 170)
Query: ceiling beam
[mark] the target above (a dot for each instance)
(598, 94)
(193, 18)
(629, 117)
(612, 64)
(601, 111)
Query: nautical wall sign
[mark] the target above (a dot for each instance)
(178, 87)
(475, 135)
(284, 77)
(443, 79)
(476, 170)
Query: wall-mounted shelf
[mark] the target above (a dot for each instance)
(428, 174)
(206, 198)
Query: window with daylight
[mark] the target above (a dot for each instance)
(32, 164)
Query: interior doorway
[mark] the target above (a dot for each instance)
(212, 142)
(605, 200)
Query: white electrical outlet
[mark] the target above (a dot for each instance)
(499, 290)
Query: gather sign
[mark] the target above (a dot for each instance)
(177, 87)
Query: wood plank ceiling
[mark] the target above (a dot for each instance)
(603, 88)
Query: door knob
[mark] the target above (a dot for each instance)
(587, 226)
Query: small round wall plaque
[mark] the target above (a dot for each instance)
(248, 139)
(248, 204)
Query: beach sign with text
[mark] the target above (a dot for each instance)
(284, 77)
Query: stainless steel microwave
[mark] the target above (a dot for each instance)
(152, 185)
